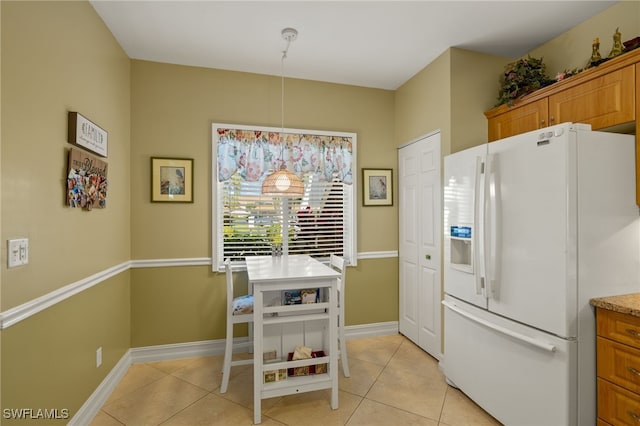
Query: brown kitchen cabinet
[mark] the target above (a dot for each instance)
(514, 121)
(618, 368)
(606, 96)
(603, 102)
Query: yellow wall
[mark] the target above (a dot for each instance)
(187, 304)
(173, 108)
(474, 89)
(59, 57)
(423, 104)
(573, 48)
(450, 94)
(49, 360)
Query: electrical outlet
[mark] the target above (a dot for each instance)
(99, 357)
(17, 252)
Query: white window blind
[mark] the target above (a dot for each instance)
(247, 223)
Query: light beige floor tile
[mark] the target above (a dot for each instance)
(137, 376)
(154, 403)
(205, 372)
(371, 413)
(363, 376)
(103, 419)
(378, 350)
(314, 409)
(459, 410)
(240, 389)
(171, 366)
(403, 385)
(410, 392)
(409, 357)
(215, 411)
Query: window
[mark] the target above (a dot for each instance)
(247, 223)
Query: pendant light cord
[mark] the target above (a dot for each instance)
(288, 34)
(284, 55)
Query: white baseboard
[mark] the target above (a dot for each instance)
(371, 330)
(241, 344)
(92, 406)
(186, 350)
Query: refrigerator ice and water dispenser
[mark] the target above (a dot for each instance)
(462, 248)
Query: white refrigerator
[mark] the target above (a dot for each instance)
(535, 226)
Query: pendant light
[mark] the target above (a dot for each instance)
(283, 183)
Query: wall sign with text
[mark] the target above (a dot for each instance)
(86, 134)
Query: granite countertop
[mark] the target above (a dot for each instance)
(625, 303)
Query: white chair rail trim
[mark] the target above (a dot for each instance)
(377, 254)
(18, 313)
(159, 263)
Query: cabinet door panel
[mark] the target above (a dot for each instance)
(602, 102)
(519, 120)
(618, 363)
(619, 327)
(616, 405)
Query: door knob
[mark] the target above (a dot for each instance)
(427, 256)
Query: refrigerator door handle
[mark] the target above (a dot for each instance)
(526, 339)
(486, 226)
(491, 240)
(476, 214)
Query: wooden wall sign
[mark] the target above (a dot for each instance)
(86, 134)
(86, 181)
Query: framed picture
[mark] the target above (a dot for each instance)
(171, 180)
(377, 187)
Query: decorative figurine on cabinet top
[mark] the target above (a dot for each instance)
(595, 53)
(617, 47)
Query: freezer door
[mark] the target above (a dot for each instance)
(530, 231)
(519, 375)
(462, 215)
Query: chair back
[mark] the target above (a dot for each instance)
(337, 263)
(229, 274)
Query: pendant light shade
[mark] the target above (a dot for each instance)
(282, 183)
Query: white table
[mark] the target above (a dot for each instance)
(283, 327)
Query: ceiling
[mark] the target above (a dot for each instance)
(378, 44)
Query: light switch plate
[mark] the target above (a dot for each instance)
(17, 252)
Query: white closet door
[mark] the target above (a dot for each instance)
(420, 242)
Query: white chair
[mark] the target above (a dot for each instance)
(239, 310)
(337, 263)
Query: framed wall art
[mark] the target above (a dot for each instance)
(171, 180)
(377, 187)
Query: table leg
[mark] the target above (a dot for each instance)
(333, 344)
(257, 356)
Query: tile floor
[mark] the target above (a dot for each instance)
(392, 382)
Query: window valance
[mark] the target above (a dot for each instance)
(254, 153)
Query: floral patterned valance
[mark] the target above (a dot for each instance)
(255, 153)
